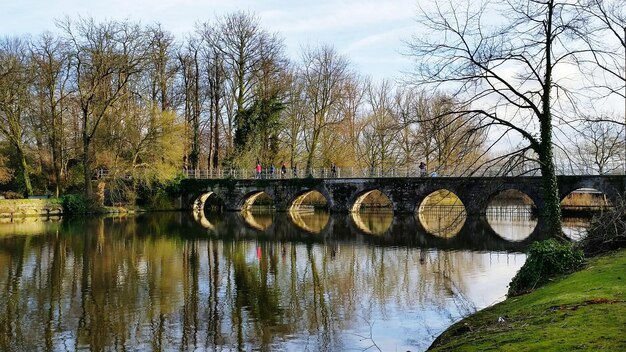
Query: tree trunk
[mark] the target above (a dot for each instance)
(87, 166)
(24, 166)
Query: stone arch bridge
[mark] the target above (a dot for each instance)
(405, 193)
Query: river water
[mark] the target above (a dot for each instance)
(252, 281)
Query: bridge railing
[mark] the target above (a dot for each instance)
(352, 172)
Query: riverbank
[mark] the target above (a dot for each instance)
(582, 311)
(17, 208)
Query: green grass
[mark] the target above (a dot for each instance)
(585, 311)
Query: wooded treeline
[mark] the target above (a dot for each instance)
(141, 105)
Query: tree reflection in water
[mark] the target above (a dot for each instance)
(166, 282)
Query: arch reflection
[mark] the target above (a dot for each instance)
(442, 214)
(311, 221)
(257, 219)
(201, 219)
(575, 228)
(510, 215)
(372, 222)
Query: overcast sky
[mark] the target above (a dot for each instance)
(368, 32)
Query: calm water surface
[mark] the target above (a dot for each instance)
(250, 281)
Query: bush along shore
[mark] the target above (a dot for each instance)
(566, 297)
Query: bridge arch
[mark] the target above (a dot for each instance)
(358, 199)
(250, 198)
(599, 184)
(306, 195)
(208, 198)
(584, 200)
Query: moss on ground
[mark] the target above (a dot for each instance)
(585, 311)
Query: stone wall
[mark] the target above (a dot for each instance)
(29, 207)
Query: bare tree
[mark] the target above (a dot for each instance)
(293, 119)
(504, 74)
(379, 134)
(106, 56)
(216, 76)
(325, 74)
(604, 34)
(51, 62)
(404, 102)
(15, 77)
(599, 147)
(190, 70)
(448, 143)
(161, 67)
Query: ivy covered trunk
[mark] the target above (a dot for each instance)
(552, 200)
(552, 211)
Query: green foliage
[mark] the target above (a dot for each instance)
(160, 200)
(75, 204)
(74, 179)
(172, 186)
(546, 260)
(160, 196)
(607, 231)
(257, 134)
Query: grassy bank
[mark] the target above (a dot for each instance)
(585, 311)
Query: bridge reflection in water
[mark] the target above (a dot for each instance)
(509, 228)
(237, 281)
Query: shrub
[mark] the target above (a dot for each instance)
(75, 204)
(607, 231)
(13, 195)
(546, 260)
(160, 200)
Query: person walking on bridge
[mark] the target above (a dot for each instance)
(258, 170)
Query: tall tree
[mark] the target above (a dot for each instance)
(379, 135)
(50, 59)
(246, 50)
(106, 55)
(504, 74)
(15, 77)
(161, 67)
(325, 73)
(190, 71)
(215, 74)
